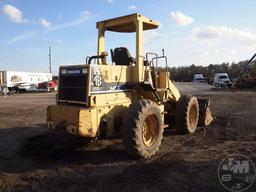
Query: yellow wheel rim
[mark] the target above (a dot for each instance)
(150, 130)
(193, 115)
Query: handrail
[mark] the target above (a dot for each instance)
(86, 61)
(95, 57)
(160, 57)
(150, 53)
(166, 65)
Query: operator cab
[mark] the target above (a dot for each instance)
(134, 23)
(119, 56)
(122, 56)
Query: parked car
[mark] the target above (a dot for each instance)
(221, 80)
(199, 78)
(27, 87)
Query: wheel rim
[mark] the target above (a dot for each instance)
(150, 130)
(193, 116)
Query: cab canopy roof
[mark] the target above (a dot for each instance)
(126, 24)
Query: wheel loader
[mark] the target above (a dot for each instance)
(247, 76)
(131, 98)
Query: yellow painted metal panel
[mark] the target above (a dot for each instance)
(88, 122)
(127, 23)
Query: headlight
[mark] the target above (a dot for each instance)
(84, 70)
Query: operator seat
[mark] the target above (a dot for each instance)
(122, 56)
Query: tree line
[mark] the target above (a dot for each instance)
(186, 73)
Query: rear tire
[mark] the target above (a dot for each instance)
(187, 114)
(142, 129)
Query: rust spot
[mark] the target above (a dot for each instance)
(90, 130)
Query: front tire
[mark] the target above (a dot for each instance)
(142, 129)
(187, 114)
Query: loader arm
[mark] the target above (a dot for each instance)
(173, 92)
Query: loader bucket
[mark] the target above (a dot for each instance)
(205, 116)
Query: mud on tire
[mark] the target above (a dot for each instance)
(187, 114)
(142, 129)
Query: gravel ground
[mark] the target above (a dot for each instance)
(34, 159)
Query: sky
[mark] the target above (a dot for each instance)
(199, 32)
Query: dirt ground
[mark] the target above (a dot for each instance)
(35, 159)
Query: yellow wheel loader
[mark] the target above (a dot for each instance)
(131, 98)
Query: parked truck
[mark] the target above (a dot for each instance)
(221, 80)
(198, 78)
(15, 80)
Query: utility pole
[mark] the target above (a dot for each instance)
(50, 59)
